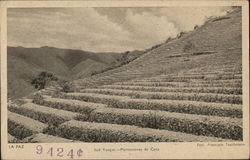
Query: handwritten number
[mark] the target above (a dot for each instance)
(39, 149)
(50, 151)
(60, 151)
(70, 154)
(79, 153)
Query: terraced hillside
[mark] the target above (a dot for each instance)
(216, 43)
(170, 94)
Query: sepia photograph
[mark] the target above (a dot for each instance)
(104, 75)
(124, 74)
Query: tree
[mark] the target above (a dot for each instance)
(42, 79)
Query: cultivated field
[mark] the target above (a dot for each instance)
(166, 95)
(135, 111)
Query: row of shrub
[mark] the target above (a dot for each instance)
(205, 97)
(103, 132)
(145, 83)
(222, 81)
(18, 131)
(199, 125)
(69, 105)
(194, 124)
(189, 78)
(184, 84)
(28, 123)
(50, 117)
(218, 109)
(42, 117)
(219, 90)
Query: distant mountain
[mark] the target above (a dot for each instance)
(24, 64)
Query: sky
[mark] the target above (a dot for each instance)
(102, 29)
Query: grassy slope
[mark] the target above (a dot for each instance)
(222, 38)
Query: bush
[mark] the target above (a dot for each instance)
(196, 27)
(51, 130)
(37, 98)
(205, 97)
(67, 86)
(28, 123)
(104, 132)
(194, 124)
(43, 114)
(180, 34)
(222, 90)
(42, 117)
(168, 40)
(57, 93)
(190, 107)
(42, 79)
(18, 131)
(155, 46)
(71, 105)
(189, 46)
(220, 18)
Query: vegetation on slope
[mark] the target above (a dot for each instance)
(25, 66)
(210, 109)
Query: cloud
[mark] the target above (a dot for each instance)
(185, 18)
(99, 30)
(66, 28)
(149, 29)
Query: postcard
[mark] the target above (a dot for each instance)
(124, 79)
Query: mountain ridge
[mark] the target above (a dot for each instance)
(24, 64)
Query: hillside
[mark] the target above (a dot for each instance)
(219, 37)
(188, 89)
(24, 64)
